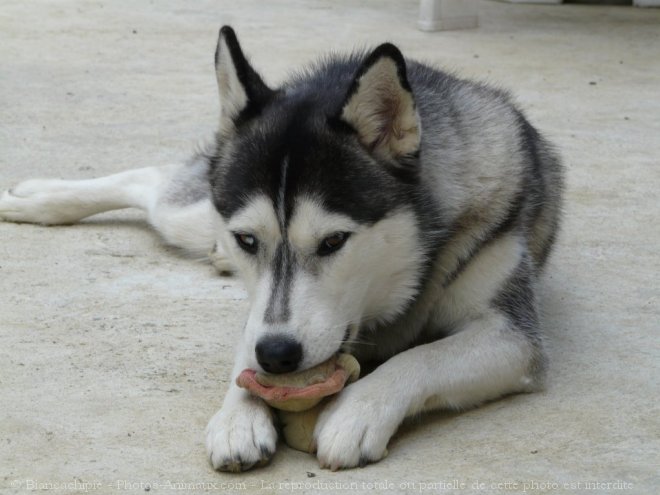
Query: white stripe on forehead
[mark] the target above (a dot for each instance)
(311, 222)
(257, 217)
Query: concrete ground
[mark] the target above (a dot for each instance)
(115, 350)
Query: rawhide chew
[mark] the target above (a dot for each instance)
(299, 391)
(298, 397)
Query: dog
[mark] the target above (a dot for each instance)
(373, 205)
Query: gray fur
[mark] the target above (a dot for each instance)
(191, 184)
(449, 198)
(483, 171)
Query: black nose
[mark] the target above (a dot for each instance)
(278, 354)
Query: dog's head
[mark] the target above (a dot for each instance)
(317, 186)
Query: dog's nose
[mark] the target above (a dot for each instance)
(278, 354)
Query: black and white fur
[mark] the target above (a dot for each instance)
(371, 204)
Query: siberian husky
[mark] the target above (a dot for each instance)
(371, 204)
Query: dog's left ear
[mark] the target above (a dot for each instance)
(242, 91)
(380, 105)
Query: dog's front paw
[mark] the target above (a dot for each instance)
(241, 436)
(354, 429)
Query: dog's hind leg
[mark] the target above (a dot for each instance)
(57, 202)
(176, 198)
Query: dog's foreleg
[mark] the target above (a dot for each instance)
(486, 359)
(53, 201)
(241, 434)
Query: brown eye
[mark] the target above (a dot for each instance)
(247, 242)
(332, 243)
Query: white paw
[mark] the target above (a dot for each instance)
(355, 428)
(241, 435)
(14, 208)
(33, 187)
(37, 201)
(221, 261)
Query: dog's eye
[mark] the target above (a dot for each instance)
(247, 242)
(332, 243)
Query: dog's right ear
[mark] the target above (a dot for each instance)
(242, 91)
(380, 105)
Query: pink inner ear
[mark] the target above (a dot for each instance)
(332, 385)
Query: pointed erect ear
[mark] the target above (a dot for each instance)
(242, 91)
(380, 105)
